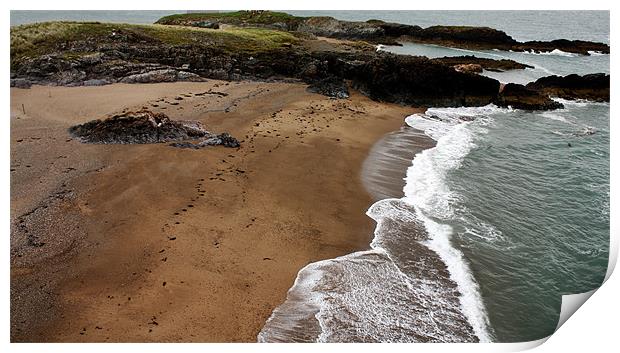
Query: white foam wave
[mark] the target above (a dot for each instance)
(556, 52)
(596, 53)
(437, 122)
(471, 300)
(393, 293)
(427, 190)
(578, 102)
(555, 116)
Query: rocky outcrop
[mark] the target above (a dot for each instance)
(378, 31)
(520, 97)
(332, 87)
(420, 82)
(484, 63)
(569, 46)
(380, 75)
(165, 75)
(481, 37)
(593, 87)
(331, 27)
(142, 126)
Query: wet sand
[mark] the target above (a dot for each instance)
(150, 243)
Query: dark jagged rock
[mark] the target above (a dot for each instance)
(418, 81)
(138, 127)
(591, 87)
(396, 30)
(223, 139)
(570, 46)
(482, 37)
(485, 63)
(520, 97)
(331, 87)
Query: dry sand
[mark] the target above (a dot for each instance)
(141, 243)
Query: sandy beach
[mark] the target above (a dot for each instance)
(130, 243)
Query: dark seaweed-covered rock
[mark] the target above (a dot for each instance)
(332, 87)
(592, 87)
(142, 126)
(520, 97)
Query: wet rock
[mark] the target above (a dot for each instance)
(520, 97)
(591, 87)
(420, 82)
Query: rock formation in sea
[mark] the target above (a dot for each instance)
(593, 87)
(520, 97)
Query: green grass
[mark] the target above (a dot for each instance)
(237, 17)
(44, 38)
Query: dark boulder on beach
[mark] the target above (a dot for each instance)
(593, 87)
(145, 126)
(142, 126)
(223, 139)
(520, 97)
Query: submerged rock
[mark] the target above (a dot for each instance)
(142, 126)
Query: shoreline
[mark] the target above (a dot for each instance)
(125, 261)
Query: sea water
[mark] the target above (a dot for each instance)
(505, 214)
